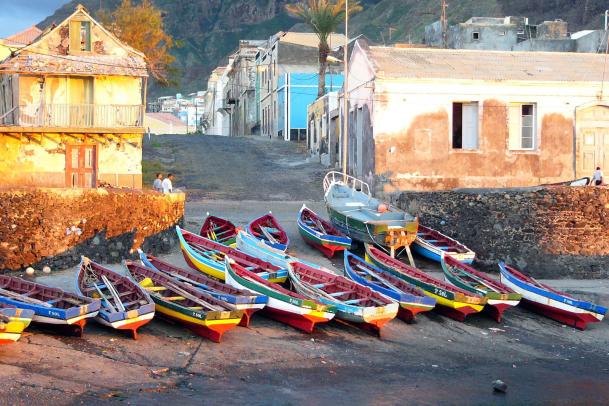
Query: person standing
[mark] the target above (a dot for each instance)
(158, 182)
(597, 177)
(168, 184)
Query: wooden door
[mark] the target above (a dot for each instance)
(81, 102)
(81, 166)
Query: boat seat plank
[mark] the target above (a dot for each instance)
(173, 298)
(195, 308)
(155, 288)
(352, 301)
(336, 294)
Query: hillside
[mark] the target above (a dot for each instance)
(210, 29)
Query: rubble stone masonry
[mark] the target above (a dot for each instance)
(554, 232)
(56, 226)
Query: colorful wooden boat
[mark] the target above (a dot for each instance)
(320, 234)
(267, 229)
(207, 256)
(284, 306)
(549, 302)
(432, 244)
(124, 304)
(219, 230)
(451, 301)
(13, 321)
(412, 300)
(243, 300)
(354, 303)
(499, 297)
(53, 308)
(202, 313)
(354, 211)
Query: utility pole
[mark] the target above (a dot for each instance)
(346, 91)
(444, 22)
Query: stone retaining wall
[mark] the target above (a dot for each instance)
(56, 226)
(555, 232)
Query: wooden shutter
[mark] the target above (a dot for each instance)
(470, 126)
(515, 126)
(74, 37)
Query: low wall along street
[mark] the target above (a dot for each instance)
(555, 232)
(56, 226)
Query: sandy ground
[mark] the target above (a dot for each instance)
(434, 361)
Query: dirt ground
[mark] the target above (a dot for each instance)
(436, 361)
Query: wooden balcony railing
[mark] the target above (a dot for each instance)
(77, 116)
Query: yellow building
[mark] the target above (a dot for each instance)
(72, 109)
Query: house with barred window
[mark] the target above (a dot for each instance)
(72, 109)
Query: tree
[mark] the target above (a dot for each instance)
(324, 17)
(141, 26)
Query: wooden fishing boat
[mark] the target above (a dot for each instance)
(550, 302)
(432, 244)
(412, 299)
(354, 211)
(268, 230)
(53, 308)
(284, 306)
(124, 304)
(320, 234)
(219, 230)
(207, 256)
(13, 321)
(354, 303)
(243, 300)
(499, 297)
(451, 301)
(202, 313)
(585, 181)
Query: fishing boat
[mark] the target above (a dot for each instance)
(268, 230)
(284, 306)
(13, 321)
(451, 301)
(354, 211)
(550, 302)
(124, 304)
(321, 234)
(243, 300)
(53, 308)
(219, 230)
(203, 314)
(499, 297)
(412, 300)
(354, 303)
(432, 244)
(207, 256)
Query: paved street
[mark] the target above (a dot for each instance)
(434, 361)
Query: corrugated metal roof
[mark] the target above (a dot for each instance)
(430, 63)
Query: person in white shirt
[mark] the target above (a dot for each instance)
(167, 184)
(597, 177)
(158, 183)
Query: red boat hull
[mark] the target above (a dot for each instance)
(327, 250)
(496, 310)
(247, 317)
(577, 320)
(133, 327)
(455, 314)
(408, 314)
(300, 322)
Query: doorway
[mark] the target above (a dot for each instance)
(81, 166)
(592, 140)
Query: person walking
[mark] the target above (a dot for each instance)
(168, 184)
(597, 177)
(158, 182)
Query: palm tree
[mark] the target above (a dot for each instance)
(324, 17)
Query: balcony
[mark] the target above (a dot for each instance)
(76, 116)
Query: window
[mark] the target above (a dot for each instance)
(465, 126)
(80, 36)
(523, 128)
(475, 35)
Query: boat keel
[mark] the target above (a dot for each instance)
(455, 314)
(579, 321)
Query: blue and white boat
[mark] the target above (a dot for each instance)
(432, 244)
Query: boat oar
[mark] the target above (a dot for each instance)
(114, 293)
(104, 298)
(268, 235)
(379, 278)
(321, 226)
(195, 299)
(23, 298)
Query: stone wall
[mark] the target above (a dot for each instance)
(56, 226)
(555, 232)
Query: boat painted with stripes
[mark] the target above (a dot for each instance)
(207, 256)
(268, 230)
(451, 301)
(219, 229)
(432, 244)
(354, 303)
(243, 300)
(124, 304)
(499, 297)
(54, 308)
(13, 321)
(412, 300)
(199, 311)
(550, 302)
(321, 234)
(284, 306)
